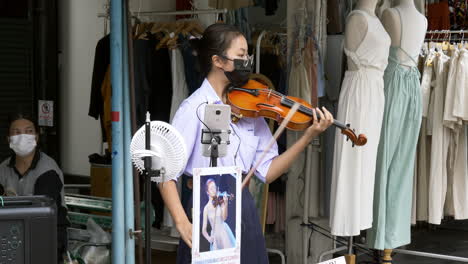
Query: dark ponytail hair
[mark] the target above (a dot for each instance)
(22, 115)
(216, 40)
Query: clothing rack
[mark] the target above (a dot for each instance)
(136, 15)
(173, 13)
(446, 33)
(257, 51)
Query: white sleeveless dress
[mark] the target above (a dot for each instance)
(361, 104)
(220, 230)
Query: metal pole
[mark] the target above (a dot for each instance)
(148, 175)
(148, 219)
(350, 245)
(430, 255)
(118, 228)
(173, 13)
(128, 169)
(257, 52)
(136, 176)
(305, 217)
(182, 12)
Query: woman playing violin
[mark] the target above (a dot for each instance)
(220, 48)
(215, 213)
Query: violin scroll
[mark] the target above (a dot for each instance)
(359, 140)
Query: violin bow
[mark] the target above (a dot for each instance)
(272, 141)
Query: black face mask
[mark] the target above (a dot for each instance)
(240, 75)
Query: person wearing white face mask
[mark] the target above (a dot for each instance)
(28, 171)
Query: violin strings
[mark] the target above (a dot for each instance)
(302, 107)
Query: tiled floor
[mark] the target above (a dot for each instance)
(449, 240)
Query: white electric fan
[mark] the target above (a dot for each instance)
(159, 153)
(168, 151)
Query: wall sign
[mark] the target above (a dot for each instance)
(46, 113)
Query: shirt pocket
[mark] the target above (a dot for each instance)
(248, 150)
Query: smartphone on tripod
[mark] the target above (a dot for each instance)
(217, 119)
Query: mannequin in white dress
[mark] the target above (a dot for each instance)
(361, 102)
(356, 27)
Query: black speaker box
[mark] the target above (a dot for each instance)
(28, 230)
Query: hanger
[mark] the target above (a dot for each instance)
(141, 31)
(172, 42)
(445, 44)
(463, 40)
(432, 47)
(157, 27)
(163, 41)
(197, 29)
(452, 46)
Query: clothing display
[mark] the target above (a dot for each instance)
(336, 15)
(299, 86)
(160, 87)
(240, 19)
(442, 176)
(334, 72)
(272, 71)
(460, 108)
(440, 144)
(421, 183)
(305, 42)
(192, 70)
(361, 104)
(106, 118)
(179, 85)
(414, 114)
(101, 63)
(397, 150)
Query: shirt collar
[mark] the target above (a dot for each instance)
(210, 94)
(34, 162)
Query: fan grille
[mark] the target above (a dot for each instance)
(168, 143)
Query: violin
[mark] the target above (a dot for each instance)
(255, 99)
(219, 199)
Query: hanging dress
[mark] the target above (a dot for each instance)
(460, 167)
(439, 143)
(421, 183)
(361, 104)
(397, 151)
